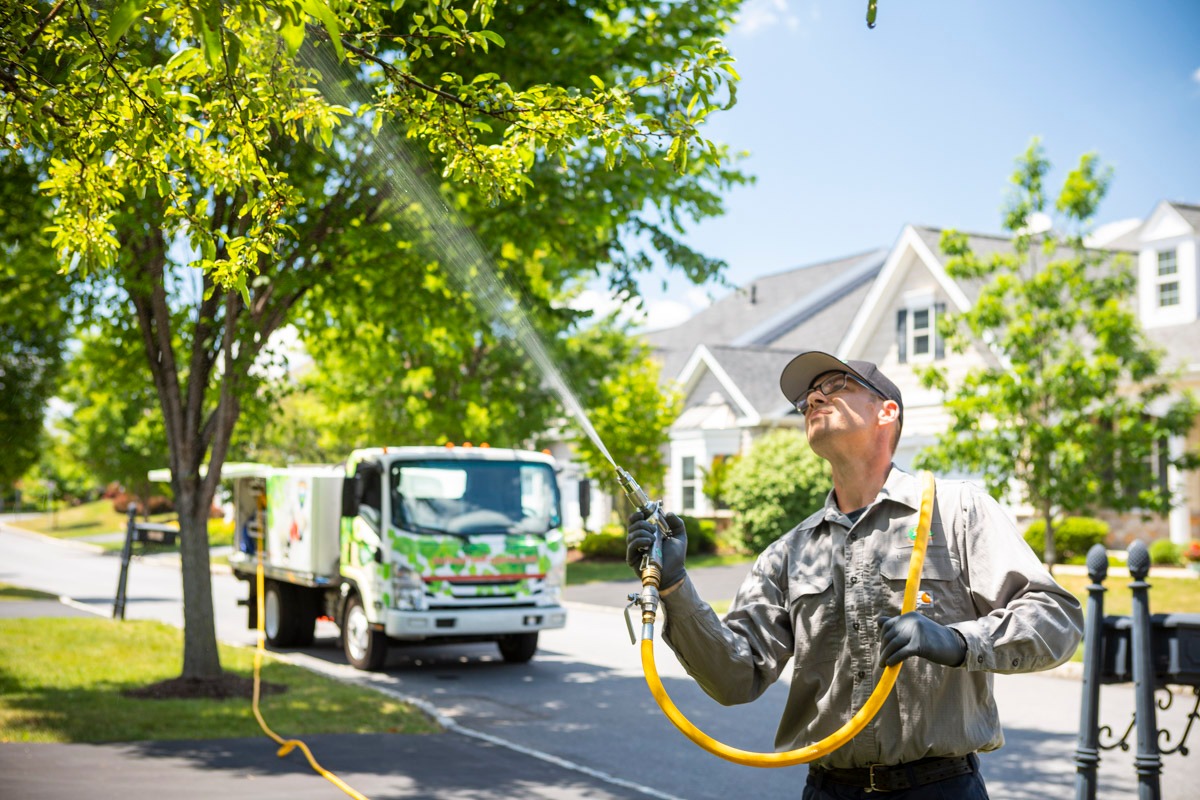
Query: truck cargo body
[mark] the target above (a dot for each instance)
(409, 544)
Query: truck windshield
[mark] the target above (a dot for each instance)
(466, 497)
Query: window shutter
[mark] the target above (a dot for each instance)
(902, 335)
(1164, 463)
(939, 346)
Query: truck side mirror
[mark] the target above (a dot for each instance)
(350, 496)
(585, 499)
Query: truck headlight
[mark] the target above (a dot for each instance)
(552, 585)
(408, 591)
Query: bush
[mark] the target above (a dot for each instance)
(1164, 553)
(608, 542)
(775, 486)
(1073, 537)
(702, 535)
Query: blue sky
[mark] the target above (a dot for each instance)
(854, 132)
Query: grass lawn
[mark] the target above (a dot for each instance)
(61, 680)
(98, 517)
(19, 593)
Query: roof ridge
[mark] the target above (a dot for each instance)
(825, 263)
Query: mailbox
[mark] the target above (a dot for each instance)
(1174, 649)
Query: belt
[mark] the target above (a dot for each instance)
(895, 777)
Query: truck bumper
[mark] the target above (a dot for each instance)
(476, 622)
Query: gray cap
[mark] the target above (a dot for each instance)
(801, 371)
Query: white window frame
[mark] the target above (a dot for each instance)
(1167, 294)
(687, 484)
(927, 332)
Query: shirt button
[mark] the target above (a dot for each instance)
(1016, 662)
(980, 659)
(856, 626)
(861, 674)
(853, 581)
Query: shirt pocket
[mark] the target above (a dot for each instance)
(816, 621)
(941, 597)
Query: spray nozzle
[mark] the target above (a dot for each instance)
(652, 562)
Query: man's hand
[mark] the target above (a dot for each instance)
(640, 537)
(914, 634)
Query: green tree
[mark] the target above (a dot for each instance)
(773, 487)
(34, 310)
(115, 428)
(1073, 403)
(629, 411)
(223, 165)
(715, 478)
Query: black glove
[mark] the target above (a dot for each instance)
(674, 547)
(914, 634)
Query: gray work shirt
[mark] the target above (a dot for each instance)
(815, 594)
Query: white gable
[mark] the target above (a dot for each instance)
(1165, 223)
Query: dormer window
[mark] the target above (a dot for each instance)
(1167, 279)
(916, 333)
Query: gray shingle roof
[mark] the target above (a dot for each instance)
(766, 311)
(1189, 212)
(756, 372)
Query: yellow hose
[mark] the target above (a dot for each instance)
(287, 744)
(848, 731)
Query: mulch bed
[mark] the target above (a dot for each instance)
(227, 687)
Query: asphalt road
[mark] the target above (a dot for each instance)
(577, 721)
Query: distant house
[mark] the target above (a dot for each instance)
(882, 306)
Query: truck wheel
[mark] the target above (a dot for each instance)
(280, 618)
(518, 648)
(365, 648)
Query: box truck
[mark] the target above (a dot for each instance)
(405, 544)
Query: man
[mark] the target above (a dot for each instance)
(827, 594)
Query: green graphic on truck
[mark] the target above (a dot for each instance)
(407, 544)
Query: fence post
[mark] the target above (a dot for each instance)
(126, 554)
(1087, 752)
(1147, 762)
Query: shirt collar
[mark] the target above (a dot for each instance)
(900, 486)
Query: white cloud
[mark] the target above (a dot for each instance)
(1196, 75)
(761, 15)
(666, 314)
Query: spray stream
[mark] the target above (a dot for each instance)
(452, 242)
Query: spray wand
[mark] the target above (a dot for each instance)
(652, 561)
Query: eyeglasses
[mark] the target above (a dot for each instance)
(834, 383)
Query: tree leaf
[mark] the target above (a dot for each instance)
(123, 17)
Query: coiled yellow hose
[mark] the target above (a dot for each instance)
(856, 723)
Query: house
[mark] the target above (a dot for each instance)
(883, 306)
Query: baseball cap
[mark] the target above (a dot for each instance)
(802, 370)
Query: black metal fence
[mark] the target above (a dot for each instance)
(1155, 652)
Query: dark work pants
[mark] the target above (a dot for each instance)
(963, 787)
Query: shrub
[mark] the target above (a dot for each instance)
(608, 542)
(1073, 536)
(1192, 551)
(702, 535)
(775, 486)
(1164, 553)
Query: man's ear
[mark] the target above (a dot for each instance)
(889, 411)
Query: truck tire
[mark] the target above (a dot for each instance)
(307, 603)
(518, 648)
(282, 617)
(365, 648)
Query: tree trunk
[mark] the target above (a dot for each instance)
(200, 656)
(1051, 552)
